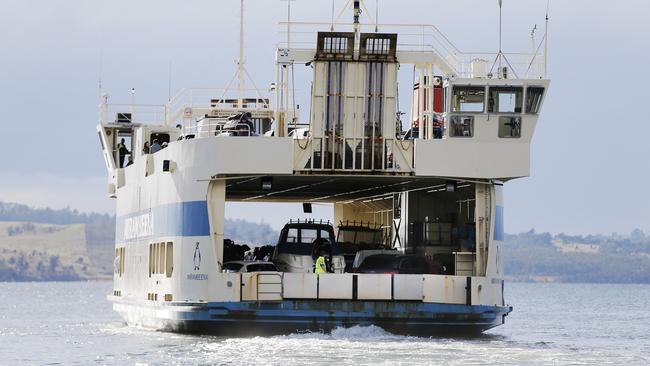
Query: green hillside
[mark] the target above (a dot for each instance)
(34, 252)
(594, 258)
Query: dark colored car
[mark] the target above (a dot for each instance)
(402, 264)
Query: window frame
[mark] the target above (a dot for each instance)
(453, 95)
(504, 88)
(521, 123)
(541, 100)
(461, 116)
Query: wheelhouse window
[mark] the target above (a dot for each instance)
(468, 99)
(506, 100)
(335, 45)
(509, 127)
(377, 46)
(534, 96)
(461, 126)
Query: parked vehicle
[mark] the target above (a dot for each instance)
(299, 133)
(300, 243)
(353, 237)
(363, 254)
(387, 263)
(249, 266)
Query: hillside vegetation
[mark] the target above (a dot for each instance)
(594, 258)
(66, 245)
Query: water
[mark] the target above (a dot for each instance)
(73, 324)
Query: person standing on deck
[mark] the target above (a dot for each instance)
(321, 263)
(123, 152)
(321, 266)
(155, 147)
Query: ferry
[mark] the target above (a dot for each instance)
(415, 244)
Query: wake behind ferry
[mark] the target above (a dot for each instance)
(415, 245)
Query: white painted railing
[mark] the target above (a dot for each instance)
(422, 38)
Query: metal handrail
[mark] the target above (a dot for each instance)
(425, 38)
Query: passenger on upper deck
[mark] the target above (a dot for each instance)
(122, 151)
(155, 147)
(145, 149)
(414, 132)
(438, 125)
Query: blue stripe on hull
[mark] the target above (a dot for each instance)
(170, 220)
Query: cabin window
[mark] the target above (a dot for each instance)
(292, 235)
(510, 127)
(468, 99)
(169, 268)
(307, 236)
(335, 45)
(461, 126)
(120, 257)
(161, 258)
(155, 258)
(150, 259)
(534, 96)
(505, 100)
(377, 46)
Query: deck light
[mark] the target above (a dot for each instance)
(451, 186)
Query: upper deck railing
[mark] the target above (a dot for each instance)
(176, 109)
(132, 113)
(422, 38)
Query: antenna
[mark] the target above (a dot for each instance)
(132, 91)
(376, 16)
(241, 61)
(532, 38)
(500, 33)
(356, 5)
(502, 71)
(333, 9)
(548, 3)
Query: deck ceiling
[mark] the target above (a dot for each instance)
(325, 188)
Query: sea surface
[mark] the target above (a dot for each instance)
(552, 324)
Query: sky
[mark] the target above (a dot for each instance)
(590, 154)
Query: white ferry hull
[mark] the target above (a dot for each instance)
(291, 316)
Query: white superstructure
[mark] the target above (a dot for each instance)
(433, 184)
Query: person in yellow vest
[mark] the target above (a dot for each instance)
(321, 266)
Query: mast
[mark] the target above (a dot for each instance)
(240, 63)
(500, 33)
(546, 39)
